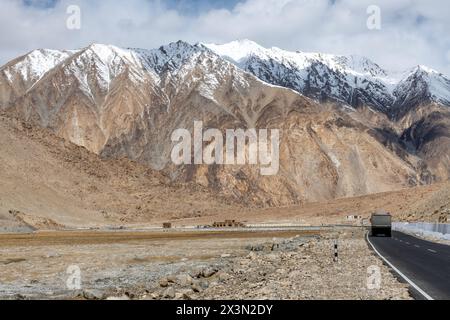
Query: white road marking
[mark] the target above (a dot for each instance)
(416, 246)
(434, 251)
(415, 286)
(407, 243)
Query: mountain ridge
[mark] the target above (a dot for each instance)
(126, 103)
(353, 80)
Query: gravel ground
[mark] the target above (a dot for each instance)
(309, 272)
(38, 268)
(238, 268)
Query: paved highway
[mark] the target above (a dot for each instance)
(426, 263)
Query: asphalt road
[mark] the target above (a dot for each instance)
(426, 263)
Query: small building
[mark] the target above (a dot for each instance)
(228, 224)
(353, 217)
(167, 225)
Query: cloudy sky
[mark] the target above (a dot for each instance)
(412, 31)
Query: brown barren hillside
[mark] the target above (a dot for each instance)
(47, 182)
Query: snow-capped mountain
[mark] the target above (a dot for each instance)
(352, 80)
(421, 85)
(31, 67)
(121, 102)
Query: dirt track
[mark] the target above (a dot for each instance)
(105, 237)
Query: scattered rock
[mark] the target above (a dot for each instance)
(258, 247)
(299, 268)
(208, 272)
(93, 294)
(223, 276)
(252, 255)
(124, 297)
(203, 284)
(195, 273)
(153, 296)
(169, 293)
(163, 282)
(184, 280)
(185, 294)
(130, 295)
(196, 287)
(244, 262)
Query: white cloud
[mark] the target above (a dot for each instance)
(412, 31)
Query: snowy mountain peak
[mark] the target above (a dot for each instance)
(103, 51)
(352, 80)
(360, 64)
(239, 50)
(32, 66)
(242, 50)
(168, 57)
(110, 55)
(425, 69)
(423, 84)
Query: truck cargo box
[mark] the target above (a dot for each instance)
(381, 223)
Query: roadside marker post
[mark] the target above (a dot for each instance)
(335, 259)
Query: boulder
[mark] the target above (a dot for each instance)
(204, 284)
(163, 282)
(93, 294)
(223, 276)
(184, 294)
(208, 272)
(195, 273)
(184, 280)
(169, 293)
(196, 287)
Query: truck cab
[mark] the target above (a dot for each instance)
(381, 223)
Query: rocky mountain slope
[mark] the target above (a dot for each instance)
(127, 102)
(48, 182)
(416, 101)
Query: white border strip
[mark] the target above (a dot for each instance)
(415, 286)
